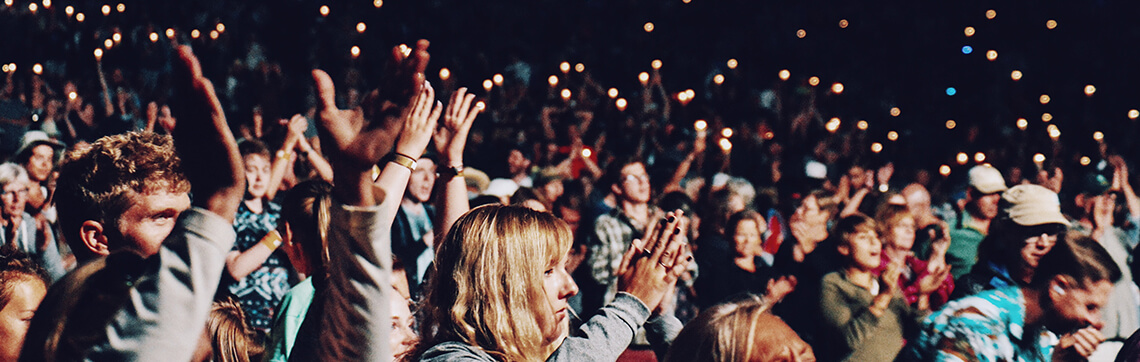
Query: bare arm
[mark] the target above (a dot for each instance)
(450, 140)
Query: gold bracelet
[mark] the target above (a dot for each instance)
(272, 240)
(404, 160)
(283, 154)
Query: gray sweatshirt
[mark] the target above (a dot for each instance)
(603, 338)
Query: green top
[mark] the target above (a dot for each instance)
(965, 237)
(856, 333)
(290, 314)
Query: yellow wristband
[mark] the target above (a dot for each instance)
(404, 160)
(272, 240)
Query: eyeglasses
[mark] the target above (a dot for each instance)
(631, 178)
(1046, 239)
(13, 193)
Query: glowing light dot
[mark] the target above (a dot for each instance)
(769, 135)
(967, 49)
(1015, 75)
(360, 27)
(643, 77)
(153, 37)
(862, 125)
(564, 67)
(962, 158)
(106, 9)
(35, 118)
(109, 43)
(801, 33)
(648, 27)
(72, 96)
(726, 132)
(47, 4)
(950, 124)
(1085, 160)
(497, 79)
(579, 67)
(12, 67)
(38, 68)
(784, 74)
(33, 7)
(1046, 117)
(655, 64)
(814, 81)
(444, 73)
(979, 157)
(117, 37)
(8, 3)
(895, 111)
(1133, 114)
(732, 63)
(221, 28)
(487, 84)
(565, 94)
(991, 13)
(950, 91)
(378, 3)
(170, 33)
(586, 152)
(4, 68)
(1038, 158)
(195, 33)
(876, 147)
(991, 55)
(324, 10)
(1044, 99)
(700, 125)
(121, 7)
(1022, 123)
(944, 170)
(833, 124)
(80, 17)
(1051, 24)
(1089, 90)
(553, 80)
(843, 24)
(718, 79)
(686, 1)
(613, 93)
(98, 53)
(621, 104)
(355, 51)
(837, 88)
(480, 105)
(69, 10)
(893, 136)
(1098, 135)
(725, 144)
(1054, 132)
(969, 31)
(214, 34)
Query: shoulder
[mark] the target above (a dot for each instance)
(455, 351)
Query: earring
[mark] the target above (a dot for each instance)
(1057, 288)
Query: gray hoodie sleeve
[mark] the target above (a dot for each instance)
(167, 308)
(605, 336)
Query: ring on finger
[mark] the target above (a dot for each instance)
(663, 264)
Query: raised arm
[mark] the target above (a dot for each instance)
(419, 124)
(450, 140)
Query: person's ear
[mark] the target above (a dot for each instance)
(1059, 286)
(844, 249)
(616, 189)
(94, 238)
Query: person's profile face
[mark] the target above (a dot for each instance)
(16, 316)
(559, 286)
(149, 220)
(1078, 307)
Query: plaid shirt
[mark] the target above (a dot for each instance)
(613, 233)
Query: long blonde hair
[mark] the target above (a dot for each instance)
(487, 290)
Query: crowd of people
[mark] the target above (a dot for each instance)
(151, 214)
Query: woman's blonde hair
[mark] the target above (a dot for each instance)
(741, 330)
(888, 217)
(231, 337)
(487, 289)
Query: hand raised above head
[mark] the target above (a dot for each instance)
(357, 139)
(451, 137)
(209, 153)
(419, 123)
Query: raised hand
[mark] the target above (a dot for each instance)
(933, 280)
(209, 153)
(357, 139)
(650, 268)
(1078, 346)
(419, 123)
(451, 137)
